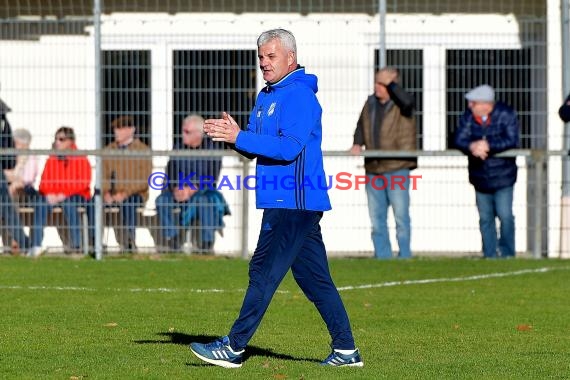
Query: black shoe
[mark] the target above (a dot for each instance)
(168, 245)
(174, 243)
(131, 246)
(74, 251)
(206, 247)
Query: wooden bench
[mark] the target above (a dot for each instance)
(56, 219)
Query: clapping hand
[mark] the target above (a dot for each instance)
(225, 129)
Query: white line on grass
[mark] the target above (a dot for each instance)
(342, 288)
(72, 288)
(132, 290)
(454, 279)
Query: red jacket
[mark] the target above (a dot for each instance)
(69, 175)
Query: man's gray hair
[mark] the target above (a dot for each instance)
(196, 120)
(286, 37)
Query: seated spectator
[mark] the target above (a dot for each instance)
(22, 177)
(192, 190)
(8, 214)
(125, 181)
(564, 110)
(65, 182)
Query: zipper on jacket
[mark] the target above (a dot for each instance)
(258, 116)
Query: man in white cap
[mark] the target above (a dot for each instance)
(485, 129)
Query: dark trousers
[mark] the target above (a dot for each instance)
(11, 221)
(125, 226)
(69, 207)
(204, 213)
(291, 239)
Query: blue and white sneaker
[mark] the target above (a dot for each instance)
(218, 352)
(336, 359)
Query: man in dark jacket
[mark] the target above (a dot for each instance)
(387, 123)
(191, 179)
(564, 110)
(8, 214)
(485, 129)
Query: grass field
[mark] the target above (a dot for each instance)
(417, 319)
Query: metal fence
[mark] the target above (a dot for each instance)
(83, 64)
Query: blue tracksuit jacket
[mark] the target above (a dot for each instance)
(285, 133)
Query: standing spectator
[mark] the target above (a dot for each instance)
(7, 161)
(201, 172)
(8, 214)
(125, 180)
(485, 129)
(564, 110)
(284, 133)
(387, 122)
(65, 182)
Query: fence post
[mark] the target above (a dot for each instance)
(97, 200)
(565, 198)
(245, 210)
(538, 157)
(382, 43)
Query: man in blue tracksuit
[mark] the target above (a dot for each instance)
(284, 133)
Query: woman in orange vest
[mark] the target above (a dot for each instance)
(65, 182)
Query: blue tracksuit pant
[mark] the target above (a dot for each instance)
(291, 239)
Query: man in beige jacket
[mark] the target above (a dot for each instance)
(387, 123)
(125, 180)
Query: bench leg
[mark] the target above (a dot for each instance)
(189, 244)
(85, 223)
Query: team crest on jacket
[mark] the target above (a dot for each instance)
(271, 109)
